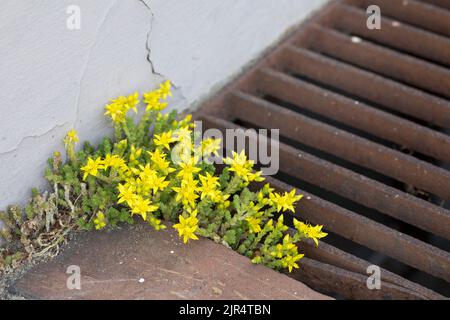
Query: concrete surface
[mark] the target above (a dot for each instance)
(140, 263)
(54, 79)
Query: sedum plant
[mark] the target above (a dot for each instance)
(153, 169)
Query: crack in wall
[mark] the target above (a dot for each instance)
(149, 59)
(84, 69)
(147, 43)
(35, 136)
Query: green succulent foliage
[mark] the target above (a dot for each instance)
(250, 222)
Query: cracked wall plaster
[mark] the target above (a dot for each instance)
(201, 44)
(54, 79)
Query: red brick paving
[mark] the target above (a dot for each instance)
(141, 263)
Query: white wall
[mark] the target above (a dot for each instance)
(54, 79)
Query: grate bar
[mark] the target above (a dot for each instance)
(364, 125)
(342, 144)
(363, 190)
(352, 285)
(357, 228)
(331, 255)
(369, 86)
(399, 36)
(386, 62)
(358, 115)
(439, 3)
(416, 13)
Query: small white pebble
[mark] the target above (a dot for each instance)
(396, 24)
(141, 280)
(120, 262)
(171, 251)
(356, 40)
(295, 292)
(308, 198)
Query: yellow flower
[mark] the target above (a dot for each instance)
(150, 178)
(209, 187)
(159, 159)
(152, 99)
(71, 137)
(113, 161)
(91, 168)
(286, 201)
(116, 111)
(132, 101)
(142, 206)
(126, 194)
(255, 176)
(309, 231)
(100, 221)
(290, 262)
(187, 170)
(301, 227)
(254, 224)
(240, 165)
(183, 134)
(186, 227)
(316, 233)
(164, 139)
(186, 192)
(278, 251)
(164, 89)
(210, 146)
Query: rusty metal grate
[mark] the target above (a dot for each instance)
(364, 118)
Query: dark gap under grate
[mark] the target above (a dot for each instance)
(367, 142)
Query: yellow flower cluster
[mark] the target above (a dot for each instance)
(166, 175)
(187, 226)
(119, 107)
(313, 232)
(243, 167)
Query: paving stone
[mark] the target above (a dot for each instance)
(140, 263)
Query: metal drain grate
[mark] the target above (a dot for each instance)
(364, 118)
